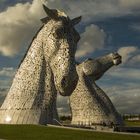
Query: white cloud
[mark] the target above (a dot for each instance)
(92, 39)
(130, 4)
(3, 92)
(20, 22)
(122, 86)
(97, 9)
(125, 73)
(63, 105)
(127, 52)
(135, 27)
(7, 72)
(125, 97)
(6, 76)
(135, 61)
(17, 26)
(130, 56)
(121, 83)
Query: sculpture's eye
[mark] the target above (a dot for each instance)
(61, 32)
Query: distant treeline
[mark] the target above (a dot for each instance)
(65, 118)
(131, 116)
(125, 117)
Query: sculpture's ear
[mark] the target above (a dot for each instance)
(51, 13)
(76, 20)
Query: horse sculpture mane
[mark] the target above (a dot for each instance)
(48, 67)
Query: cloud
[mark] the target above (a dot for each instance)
(127, 52)
(130, 4)
(18, 25)
(7, 72)
(92, 39)
(6, 76)
(121, 83)
(63, 105)
(125, 97)
(130, 56)
(6, 3)
(97, 9)
(20, 22)
(135, 27)
(3, 92)
(122, 86)
(125, 73)
(135, 61)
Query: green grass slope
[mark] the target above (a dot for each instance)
(33, 132)
(132, 123)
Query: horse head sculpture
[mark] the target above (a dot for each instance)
(97, 67)
(89, 103)
(61, 41)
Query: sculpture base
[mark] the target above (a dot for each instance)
(28, 116)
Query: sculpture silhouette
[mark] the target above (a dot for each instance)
(89, 103)
(47, 68)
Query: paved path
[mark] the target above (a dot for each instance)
(91, 130)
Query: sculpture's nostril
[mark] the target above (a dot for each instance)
(117, 61)
(63, 82)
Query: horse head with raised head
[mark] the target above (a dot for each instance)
(89, 103)
(95, 68)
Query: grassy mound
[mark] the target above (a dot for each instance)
(34, 132)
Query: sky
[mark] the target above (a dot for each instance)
(107, 26)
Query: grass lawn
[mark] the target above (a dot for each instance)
(132, 123)
(33, 132)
